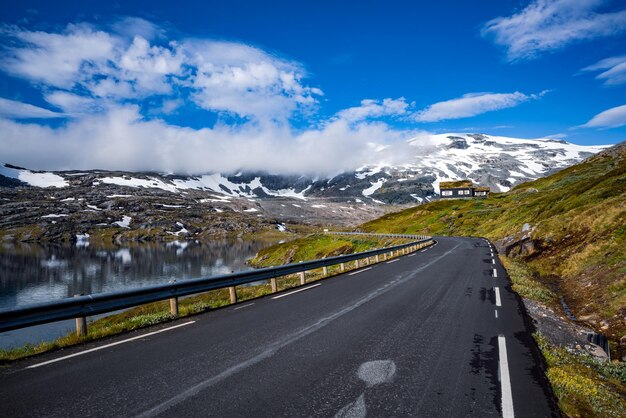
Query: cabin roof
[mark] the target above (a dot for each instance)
(482, 189)
(455, 184)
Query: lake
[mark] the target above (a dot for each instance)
(35, 273)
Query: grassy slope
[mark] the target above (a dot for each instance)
(317, 246)
(578, 217)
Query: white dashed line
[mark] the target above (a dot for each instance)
(498, 301)
(493, 261)
(297, 291)
(244, 306)
(411, 255)
(496, 311)
(360, 271)
(495, 273)
(505, 380)
(109, 345)
(392, 261)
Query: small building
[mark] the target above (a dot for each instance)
(461, 189)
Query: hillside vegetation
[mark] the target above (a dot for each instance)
(569, 229)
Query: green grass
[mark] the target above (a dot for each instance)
(318, 246)
(583, 386)
(527, 286)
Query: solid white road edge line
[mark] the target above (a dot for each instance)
(505, 380)
(360, 271)
(498, 301)
(392, 261)
(244, 306)
(495, 273)
(296, 291)
(108, 345)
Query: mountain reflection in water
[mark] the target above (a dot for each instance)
(35, 273)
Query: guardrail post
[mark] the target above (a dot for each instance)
(358, 263)
(325, 271)
(81, 323)
(343, 267)
(376, 258)
(233, 294)
(302, 277)
(174, 307)
(274, 285)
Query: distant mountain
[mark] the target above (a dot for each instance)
(497, 162)
(115, 206)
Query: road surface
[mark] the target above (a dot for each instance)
(437, 333)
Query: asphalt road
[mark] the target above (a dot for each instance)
(438, 333)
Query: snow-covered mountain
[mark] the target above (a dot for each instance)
(419, 165)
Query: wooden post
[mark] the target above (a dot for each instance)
(233, 294)
(302, 277)
(174, 307)
(81, 323)
(325, 271)
(343, 267)
(358, 263)
(274, 285)
(377, 258)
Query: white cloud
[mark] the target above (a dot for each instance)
(375, 109)
(219, 76)
(59, 59)
(546, 25)
(472, 104)
(611, 118)
(120, 139)
(71, 103)
(615, 70)
(19, 110)
(246, 81)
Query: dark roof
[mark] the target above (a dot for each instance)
(482, 189)
(455, 184)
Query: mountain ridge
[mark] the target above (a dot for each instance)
(420, 164)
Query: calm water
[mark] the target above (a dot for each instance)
(34, 273)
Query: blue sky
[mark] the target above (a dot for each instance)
(203, 86)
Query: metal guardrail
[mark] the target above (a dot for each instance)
(82, 306)
(408, 236)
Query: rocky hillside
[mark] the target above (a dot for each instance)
(111, 207)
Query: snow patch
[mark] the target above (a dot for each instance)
(374, 186)
(42, 179)
(124, 223)
(82, 240)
